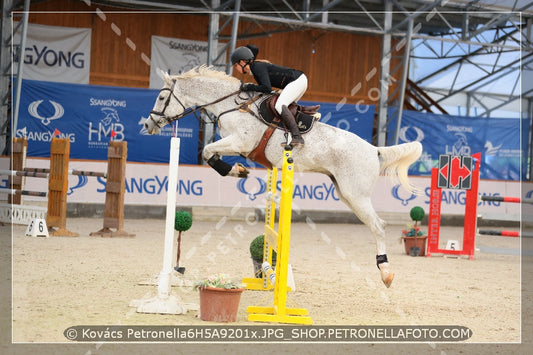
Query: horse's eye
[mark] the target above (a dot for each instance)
(161, 98)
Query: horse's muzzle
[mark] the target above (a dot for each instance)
(150, 126)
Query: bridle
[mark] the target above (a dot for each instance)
(185, 112)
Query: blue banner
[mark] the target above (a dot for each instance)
(497, 139)
(358, 119)
(90, 116)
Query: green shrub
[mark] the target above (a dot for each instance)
(256, 248)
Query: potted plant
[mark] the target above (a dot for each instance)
(219, 298)
(413, 238)
(182, 223)
(256, 252)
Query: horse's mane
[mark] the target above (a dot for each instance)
(207, 71)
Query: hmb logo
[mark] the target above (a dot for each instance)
(110, 123)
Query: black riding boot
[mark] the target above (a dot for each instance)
(290, 122)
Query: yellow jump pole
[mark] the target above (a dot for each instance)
(262, 284)
(279, 313)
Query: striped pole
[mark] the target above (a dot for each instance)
(70, 172)
(507, 199)
(506, 233)
(23, 173)
(23, 192)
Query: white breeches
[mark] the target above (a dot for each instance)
(292, 92)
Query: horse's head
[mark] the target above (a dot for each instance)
(168, 107)
(201, 87)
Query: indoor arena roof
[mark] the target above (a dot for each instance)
(365, 16)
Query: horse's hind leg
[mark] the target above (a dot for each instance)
(362, 207)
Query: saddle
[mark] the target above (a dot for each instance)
(305, 117)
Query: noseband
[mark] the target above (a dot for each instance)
(168, 119)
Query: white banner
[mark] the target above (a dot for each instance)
(175, 56)
(61, 54)
(146, 184)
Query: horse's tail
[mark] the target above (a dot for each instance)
(395, 161)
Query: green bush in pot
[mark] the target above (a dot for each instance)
(256, 252)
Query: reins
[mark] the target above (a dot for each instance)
(244, 107)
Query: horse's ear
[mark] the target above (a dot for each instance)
(164, 75)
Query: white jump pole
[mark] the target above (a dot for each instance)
(163, 287)
(165, 302)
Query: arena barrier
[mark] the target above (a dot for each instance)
(165, 302)
(279, 241)
(57, 174)
(10, 212)
(451, 168)
(13, 211)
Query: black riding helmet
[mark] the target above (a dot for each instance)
(241, 53)
(247, 54)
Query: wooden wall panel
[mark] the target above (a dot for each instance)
(120, 38)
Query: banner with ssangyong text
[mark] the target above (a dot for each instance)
(175, 56)
(53, 53)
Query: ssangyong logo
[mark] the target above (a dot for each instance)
(403, 134)
(404, 199)
(33, 109)
(250, 189)
(82, 181)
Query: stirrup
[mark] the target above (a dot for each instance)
(297, 141)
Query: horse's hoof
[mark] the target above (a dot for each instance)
(386, 275)
(243, 172)
(388, 281)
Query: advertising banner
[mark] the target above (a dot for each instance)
(175, 56)
(52, 53)
(497, 139)
(146, 184)
(90, 116)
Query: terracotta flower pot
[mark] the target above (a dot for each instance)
(409, 243)
(219, 304)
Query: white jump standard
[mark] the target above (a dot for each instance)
(165, 302)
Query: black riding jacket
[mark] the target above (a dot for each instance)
(269, 75)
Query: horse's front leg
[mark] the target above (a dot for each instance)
(226, 146)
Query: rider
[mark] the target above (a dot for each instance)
(268, 75)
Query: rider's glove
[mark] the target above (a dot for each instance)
(245, 86)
